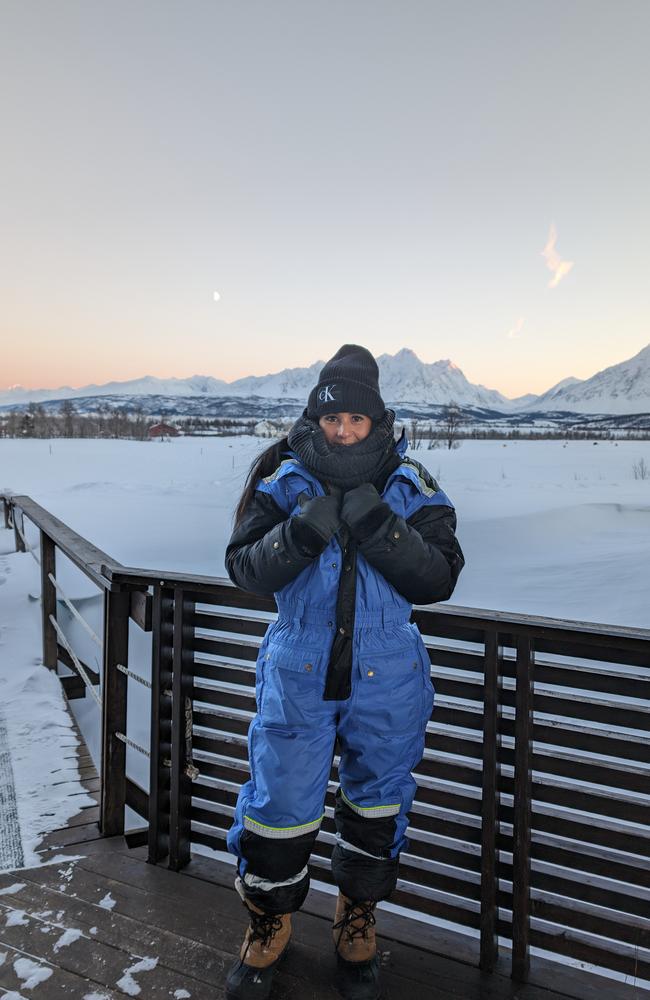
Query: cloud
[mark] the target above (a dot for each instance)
(554, 262)
(516, 330)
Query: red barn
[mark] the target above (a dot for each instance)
(163, 430)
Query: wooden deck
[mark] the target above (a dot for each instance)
(136, 929)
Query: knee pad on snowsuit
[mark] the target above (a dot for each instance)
(274, 872)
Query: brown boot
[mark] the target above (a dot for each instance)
(356, 949)
(265, 942)
(354, 930)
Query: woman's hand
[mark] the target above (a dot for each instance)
(321, 514)
(363, 510)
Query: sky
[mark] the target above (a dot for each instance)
(387, 173)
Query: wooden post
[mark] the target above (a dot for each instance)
(7, 510)
(490, 804)
(180, 796)
(48, 601)
(18, 538)
(161, 718)
(114, 684)
(522, 809)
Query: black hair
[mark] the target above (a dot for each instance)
(262, 466)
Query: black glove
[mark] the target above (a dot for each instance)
(321, 514)
(363, 510)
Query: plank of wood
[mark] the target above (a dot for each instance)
(86, 814)
(58, 984)
(69, 836)
(95, 961)
(178, 953)
(550, 979)
(216, 917)
(205, 912)
(158, 914)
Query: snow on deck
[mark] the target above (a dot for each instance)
(40, 789)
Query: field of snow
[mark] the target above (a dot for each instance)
(547, 528)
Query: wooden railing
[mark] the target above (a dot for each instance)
(531, 823)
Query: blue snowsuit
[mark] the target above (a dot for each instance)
(379, 730)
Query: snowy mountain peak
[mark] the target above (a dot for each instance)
(622, 388)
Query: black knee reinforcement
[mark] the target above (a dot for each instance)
(276, 861)
(360, 877)
(279, 898)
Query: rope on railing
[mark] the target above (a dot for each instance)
(82, 673)
(29, 548)
(82, 621)
(131, 743)
(133, 676)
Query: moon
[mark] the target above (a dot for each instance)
(216, 296)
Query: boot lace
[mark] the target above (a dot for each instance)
(264, 927)
(357, 919)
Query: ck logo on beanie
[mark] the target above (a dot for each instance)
(326, 394)
(347, 383)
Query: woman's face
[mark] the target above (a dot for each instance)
(345, 428)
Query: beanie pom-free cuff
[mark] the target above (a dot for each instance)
(345, 396)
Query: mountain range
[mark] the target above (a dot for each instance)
(623, 388)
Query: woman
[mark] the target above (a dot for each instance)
(347, 533)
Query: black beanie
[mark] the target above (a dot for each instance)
(348, 383)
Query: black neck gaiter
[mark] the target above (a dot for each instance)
(346, 466)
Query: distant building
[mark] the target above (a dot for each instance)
(163, 430)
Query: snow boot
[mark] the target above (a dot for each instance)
(356, 949)
(265, 942)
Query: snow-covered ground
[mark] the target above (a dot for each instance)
(547, 528)
(39, 779)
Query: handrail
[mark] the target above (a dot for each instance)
(467, 616)
(107, 572)
(86, 556)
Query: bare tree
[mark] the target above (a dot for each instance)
(452, 420)
(415, 434)
(67, 413)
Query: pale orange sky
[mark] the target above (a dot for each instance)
(337, 173)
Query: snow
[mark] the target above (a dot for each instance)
(9, 890)
(127, 983)
(37, 727)
(181, 995)
(69, 935)
(622, 388)
(16, 918)
(547, 528)
(31, 972)
(107, 903)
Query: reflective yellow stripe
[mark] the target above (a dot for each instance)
(370, 812)
(281, 832)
